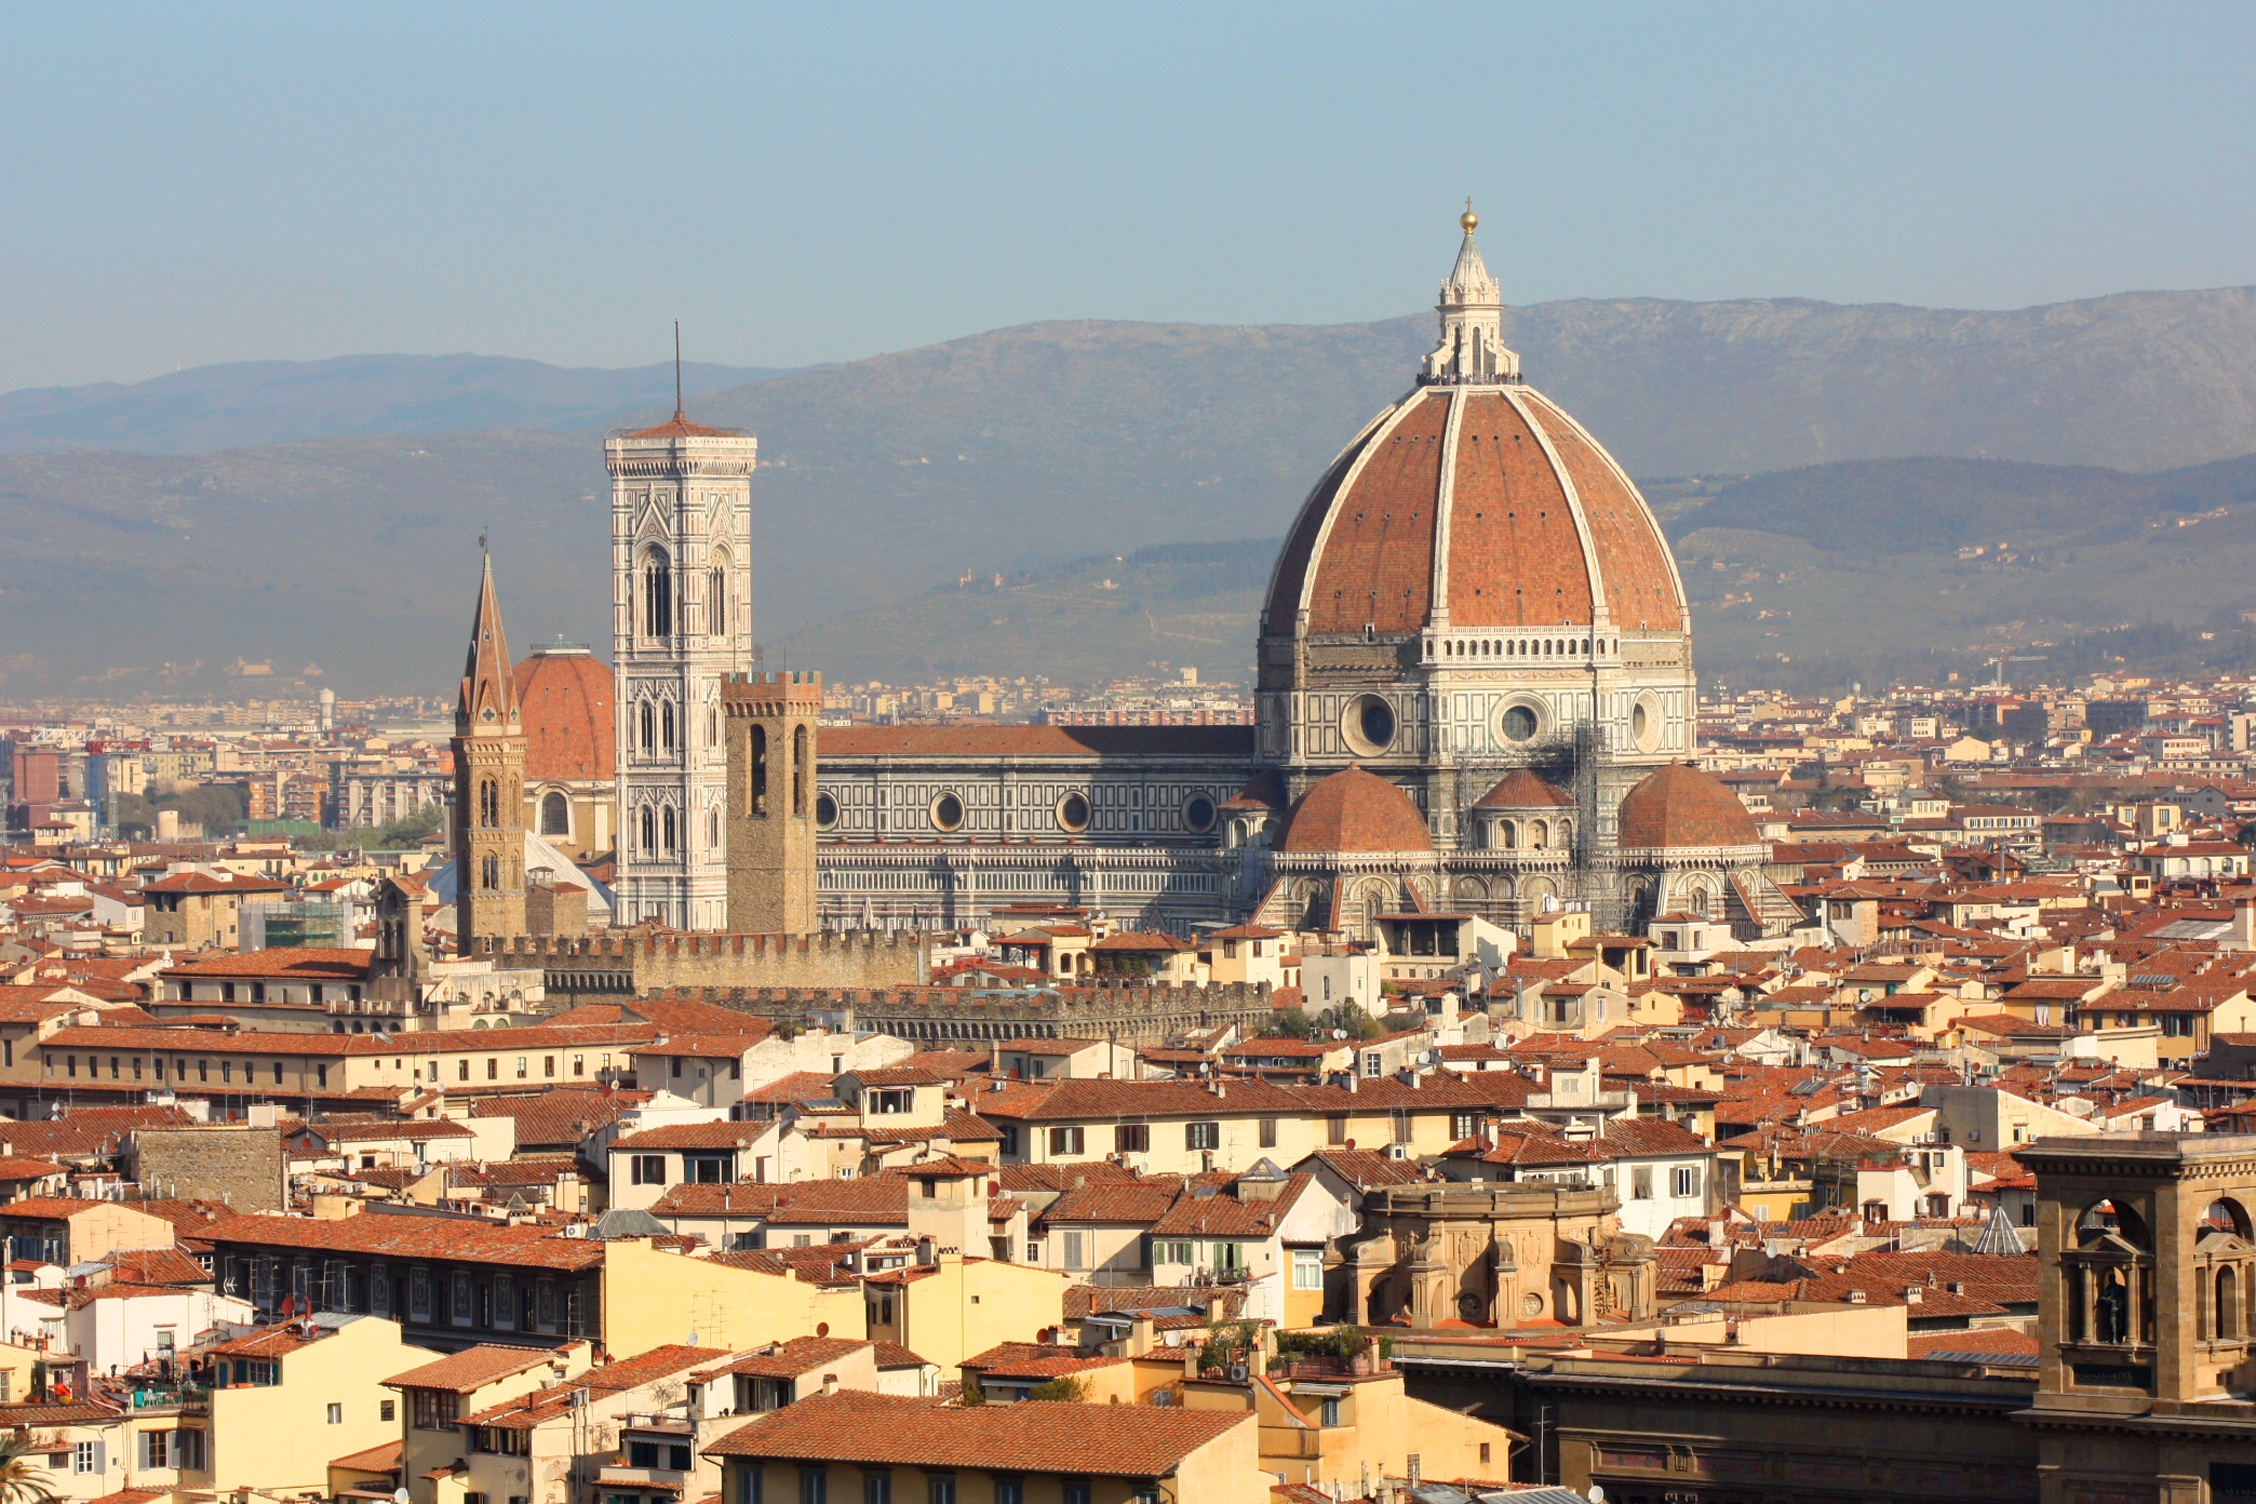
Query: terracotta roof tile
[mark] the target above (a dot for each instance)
(1115, 1441)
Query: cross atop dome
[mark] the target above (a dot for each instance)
(1472, 349)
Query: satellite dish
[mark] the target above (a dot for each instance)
(1597, 1494)
(692, 1339)
(399, 1496)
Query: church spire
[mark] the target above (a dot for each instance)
(1472, 320)
(489, 685)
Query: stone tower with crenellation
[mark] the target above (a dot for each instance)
(489, 786)
(771, 722)
(681, 541)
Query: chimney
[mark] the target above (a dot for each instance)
(830, 1383)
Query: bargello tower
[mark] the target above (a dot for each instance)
(489, 786)
(681, 533)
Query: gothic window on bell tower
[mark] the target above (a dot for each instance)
(717, 595)
(646, 720)
(799, 771)
(657, 594)
(489, 804)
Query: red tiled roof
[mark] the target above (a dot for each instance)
(529, 1410)
(1355, 811)
(282, 962)
(1033, 1436)
(1677, 806)
(461, 1240)
(565, 701)
(472, 1368)
(1037, 741)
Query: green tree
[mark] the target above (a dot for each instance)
(1064, 1387)
(20, 1481)
(414, 830)
(1289, 1023)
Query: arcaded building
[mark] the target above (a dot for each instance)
(1475, 695)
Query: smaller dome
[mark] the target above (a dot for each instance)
(1681, 806)
(1524, 788)
(1352, 810)
(565, 692)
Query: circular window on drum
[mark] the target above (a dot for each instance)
(1520, 721)
(826, 810)
(1073, 813)
(1198, 813)
(1645, 723)
(947, 812)
(1368, 725)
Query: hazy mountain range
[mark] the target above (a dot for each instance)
(885, 482)
(253, 402)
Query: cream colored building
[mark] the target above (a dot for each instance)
(289, 1397)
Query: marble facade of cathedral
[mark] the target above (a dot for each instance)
(1474, 694)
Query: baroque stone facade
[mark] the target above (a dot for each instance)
(1496, 1255)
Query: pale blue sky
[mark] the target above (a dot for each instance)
(201, 183)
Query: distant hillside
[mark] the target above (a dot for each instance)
(275, 401)
(1021, 450)
(1084, 621)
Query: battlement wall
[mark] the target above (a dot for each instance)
(749, 693)
(942, 1016)
(586, 967)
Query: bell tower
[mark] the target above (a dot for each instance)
(489, 786)
(681, 534)
(771, 801)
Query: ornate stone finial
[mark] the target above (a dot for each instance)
(1472, 348)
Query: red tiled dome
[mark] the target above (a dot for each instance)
(565, 697)
(1523, 788)
(1681, 806)
(1523, 487)
(1352, 810)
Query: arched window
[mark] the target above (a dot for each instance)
(713, 829)
(489, 803)
(799, 770)
(1539, 834)
(649, 740)
(1700, 902)
(2228, 1304)
(657, 594)
(712, 725)
(666, 727)
(666, 826)
(489, 873)
(649, 832)
(759, 760)
(556, 815)
(717, 596)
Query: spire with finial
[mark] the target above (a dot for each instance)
(1472, 320)
(489, 684)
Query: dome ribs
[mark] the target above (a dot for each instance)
(1376, 564)
(1641, 586)
(1515, 556)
